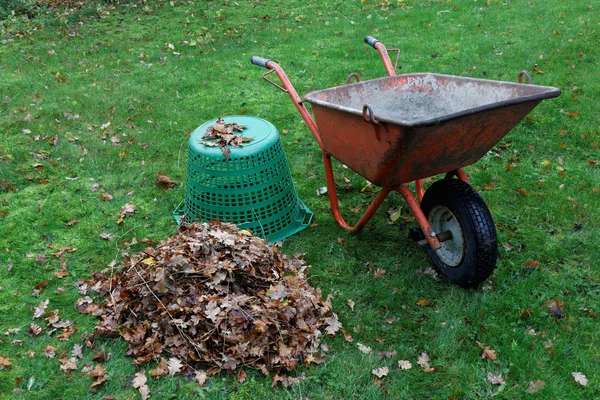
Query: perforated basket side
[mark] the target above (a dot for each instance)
(253, 188)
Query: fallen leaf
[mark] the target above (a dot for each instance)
(522, 191)
(127, 210)
(423, 303)
(106, 196)
(347, 336)
(35, 329)
(488, 353)
(241, 376)
(139, 383)
(381, 372)
(4, 362)
(72, 222)
(379, 273)
(531, 264)
(535, 386)
(41, 308)
(98, 373)
(580, 378)
(77, 351)
(200, 377)
(364, 349)
(332, 324)
(423, 361)
(404, 364)
(68, 364)
(164, 181)
(174, 366)
(50, 351)
(495, 379)
(351, 304)
(107, 236)
(321, 191)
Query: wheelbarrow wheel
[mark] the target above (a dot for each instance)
(469, 256)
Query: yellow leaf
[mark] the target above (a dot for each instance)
(395, 215)
(149, 261)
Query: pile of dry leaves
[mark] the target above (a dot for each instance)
(224, 135)
(212, 296)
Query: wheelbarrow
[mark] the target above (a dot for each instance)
(404, 128)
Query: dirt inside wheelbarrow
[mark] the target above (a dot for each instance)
(414, 98)
(212, 297)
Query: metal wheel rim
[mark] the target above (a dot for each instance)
(452, 251)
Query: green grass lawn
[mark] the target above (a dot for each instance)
(100, 100)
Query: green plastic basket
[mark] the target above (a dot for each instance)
(252, 189)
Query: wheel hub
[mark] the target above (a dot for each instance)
(452, 250)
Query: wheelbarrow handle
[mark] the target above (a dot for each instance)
(261, 62)
(371, 41)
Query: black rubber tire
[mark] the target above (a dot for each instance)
(479, 232)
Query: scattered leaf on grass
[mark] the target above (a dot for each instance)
(423, 361)
(139, 383)
(535, 387)
(35, 329)
(68, 364)
(364, 349)
(98, 373)
(4, 362)
(347, 336)
(106, 196)
(50, 351)
(531, 264)
(404, 364)
(77, 351)
(381, 372)
(73, 222)
(495, 379)
(487, 352)
(580, 378)
(164, 181)
(379, 273)
(127, 210)
(40, 309)
(423, 302)
(241, 376)
(522, 191)
(107, 236)
(351, 304)
(332, 324)
(200, 377)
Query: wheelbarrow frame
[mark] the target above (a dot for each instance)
(431, 237)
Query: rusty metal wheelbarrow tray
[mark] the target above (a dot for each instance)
(402, 128)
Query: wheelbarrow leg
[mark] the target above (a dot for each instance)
(419, 189)
(335, 207)
(430, 234)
